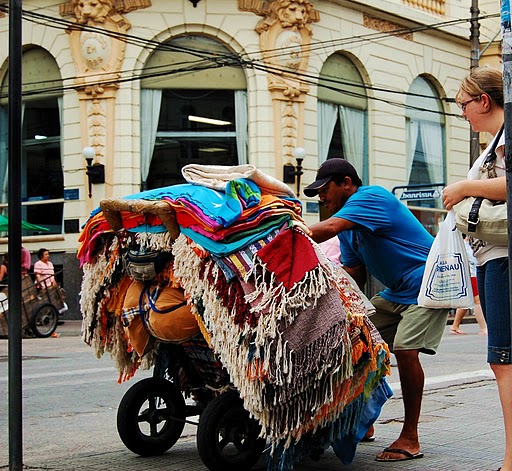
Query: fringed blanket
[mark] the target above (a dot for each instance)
(302, 365)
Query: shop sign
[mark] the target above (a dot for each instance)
(423, 194)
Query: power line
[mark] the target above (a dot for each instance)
(61, 23)
(208, 60)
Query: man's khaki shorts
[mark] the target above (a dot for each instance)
(409, 326)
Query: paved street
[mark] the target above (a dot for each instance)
(70, 400)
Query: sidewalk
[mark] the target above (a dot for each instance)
(70, 328)
(460, 430)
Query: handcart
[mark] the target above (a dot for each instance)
(40, 308)
(279, 381)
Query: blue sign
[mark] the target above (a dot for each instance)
(312, 207)
(71, 194)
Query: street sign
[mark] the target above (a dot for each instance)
(424, 194)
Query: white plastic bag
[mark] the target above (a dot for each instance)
(446, 282)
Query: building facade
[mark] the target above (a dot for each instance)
(147, 86)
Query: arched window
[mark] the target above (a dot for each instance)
(42, 186)
(425, 133)
(193, 110)
(342, 114)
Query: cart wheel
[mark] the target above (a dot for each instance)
(227, 438)
(44, 321)
(151, 416)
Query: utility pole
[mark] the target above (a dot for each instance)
(474, 139)
(14, 212)
(507, 94)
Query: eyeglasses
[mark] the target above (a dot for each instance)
(466, 103)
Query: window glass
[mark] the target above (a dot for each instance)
(342, 114)
(41, 166)
(425, 130)
(200, 120)
(195, 127)
(42, 177)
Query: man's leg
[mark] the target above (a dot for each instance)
(412, 380)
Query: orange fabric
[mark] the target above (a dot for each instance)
(177, 325)
(174, 326)
(139, 336)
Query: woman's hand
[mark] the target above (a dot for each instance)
(454, 193)
(492, 188)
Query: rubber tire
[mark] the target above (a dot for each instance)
(227, 438)
(49, 316)
(130, 416)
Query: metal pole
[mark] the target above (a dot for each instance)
(14, 212)
(474, 139)
(507, 92)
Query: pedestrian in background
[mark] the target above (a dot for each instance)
(481, 98)
(4, 269)
(44, 269)
(377, 232)
(26, 261)
(477, 310)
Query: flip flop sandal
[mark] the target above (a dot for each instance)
(407, 455)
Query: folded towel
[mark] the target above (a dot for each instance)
(217, 176)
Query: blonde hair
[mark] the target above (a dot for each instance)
(483, 80)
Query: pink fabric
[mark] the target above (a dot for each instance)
(331, 249)
(26, 260)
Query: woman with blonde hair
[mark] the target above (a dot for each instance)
(480, 97)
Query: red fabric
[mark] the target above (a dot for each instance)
(474, 285)
(289, 256)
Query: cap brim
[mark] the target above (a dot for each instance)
(312, 190)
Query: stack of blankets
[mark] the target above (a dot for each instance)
(290, 328)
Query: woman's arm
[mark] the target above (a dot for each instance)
(492, 188)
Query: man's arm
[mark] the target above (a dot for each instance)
(324, 230)
(358, 273)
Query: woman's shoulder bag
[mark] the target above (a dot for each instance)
(483, 218)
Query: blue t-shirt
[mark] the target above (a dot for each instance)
(388, 239)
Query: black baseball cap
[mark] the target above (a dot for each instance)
(329, 169)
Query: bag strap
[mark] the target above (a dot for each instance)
(473, 218)
(491, 155)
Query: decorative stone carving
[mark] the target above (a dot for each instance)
(96, 40)
(289, 124)
(384, 26)
(97, 121)
(97, 47)
(285, 37)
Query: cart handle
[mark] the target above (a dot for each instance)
(112, 211)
